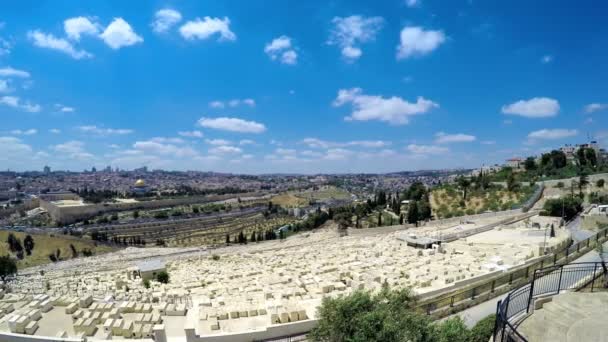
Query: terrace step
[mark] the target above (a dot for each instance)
(569, 317)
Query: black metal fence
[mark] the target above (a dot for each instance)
(546, 282)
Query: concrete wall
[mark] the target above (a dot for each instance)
(71, 214)
(273, 331)
(10, 337)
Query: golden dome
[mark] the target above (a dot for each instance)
(140, 183)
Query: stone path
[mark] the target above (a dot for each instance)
(569, 317)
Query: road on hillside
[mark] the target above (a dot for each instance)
(476, 313)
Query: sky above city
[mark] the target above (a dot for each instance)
(298, 86)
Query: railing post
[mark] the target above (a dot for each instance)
(531, 292)
(593, 278)
(554, 258)
(496, 321)
(452, 301)
(493, 285)
(473, 293)
(578, 247)
(559, 284)
(510, 278)
(527, 272)
(502, 337)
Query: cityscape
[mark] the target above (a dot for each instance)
(408, 170)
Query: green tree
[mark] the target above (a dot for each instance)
(512, 183)
(8, 267)
(600, 183)
(530, 164)
(162, 277)
(412, 212)
(464, 184)
(569, 206)
(28, 244)
(583, 181)
(146, 283)
(362, 316)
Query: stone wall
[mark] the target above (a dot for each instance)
(271, 332)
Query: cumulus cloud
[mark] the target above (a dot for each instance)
(218, 142)
(11, 72)
(120, 34)
(416, 41)
(30, 131)
(246, 142)
(552, 134)
(104, 131)
(75, 27)
(426, 149)
(443, 138)
(15, 102)
(165, 19)
(73, 149)
(165, 149)
(232, 125)
(412, 3)
(537, 107)
(204, 29)
(48, 41)
(595, 107)
(4, 87)
(282, 50)
(55, 130)
(350, 32)
(324, 144)
(11, 148)
(393, 110)
(225, 149)
(191, 134)
(64, 109)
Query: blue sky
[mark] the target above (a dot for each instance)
(297, 86)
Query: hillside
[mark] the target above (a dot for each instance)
(47, 244)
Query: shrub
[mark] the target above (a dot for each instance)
(482, 331)
(600, 183)
(215, 257)
(146, 283)
(163, 277)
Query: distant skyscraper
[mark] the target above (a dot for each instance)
(47, 169)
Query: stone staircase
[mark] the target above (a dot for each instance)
(569, 317)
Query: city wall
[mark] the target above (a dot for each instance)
(71, 214)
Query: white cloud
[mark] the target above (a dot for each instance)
(412, 3)
(393, 110)
(203, 29)
(281, 49)
(224, 149)
(232, 103)
(546, 59)
(538, 107)
(160, 148)
(246, 142)
(191, 134)
(488, 142)
(443, 138)
(416, 41)
(218, 142)
(163, 140)
(552, 134)
(15, 102)
(426, 149)
(75, 27)
(48, 41)
(217, 104)
(119, 34)
(5, 47)
(595, 107)
(55, 130)
(10, 72)
(11, 148)
(164, 19)
(104, 131)
(30, 131)
(64, 109)
(232, 124)
(348, 33)
(73, 149)
(318, 143)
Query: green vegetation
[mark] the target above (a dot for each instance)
(162, 277)
(555, 165)
(477, 195)
(566, 207)
(388, 316)
(8, 267)
(41, 246)
(146, 283)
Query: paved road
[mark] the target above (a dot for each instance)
(474, 314)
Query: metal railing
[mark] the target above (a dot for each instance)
(546, 282)
(450, 302)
